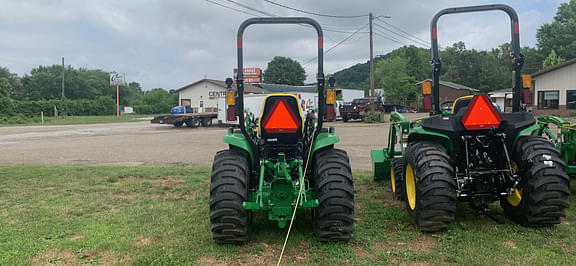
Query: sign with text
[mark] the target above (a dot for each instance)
(117, 79)
(251, 75)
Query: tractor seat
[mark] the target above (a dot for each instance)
(461, 102)
(281, 122)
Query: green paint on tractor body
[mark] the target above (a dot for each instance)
(564, 140)
(279, 182)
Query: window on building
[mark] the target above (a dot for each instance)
(185, 102)
(548, 99)
(571, 99)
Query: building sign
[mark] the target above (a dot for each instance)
(216, 94)
(117, 79)
(251, 75)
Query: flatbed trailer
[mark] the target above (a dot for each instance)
(189, 120)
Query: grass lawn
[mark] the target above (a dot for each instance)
(75, 120)
(159, 215)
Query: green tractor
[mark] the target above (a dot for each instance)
(280, 162)
(564, 140)
(472, 152)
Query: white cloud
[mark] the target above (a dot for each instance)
(173, 43)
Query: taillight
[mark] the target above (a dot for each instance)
(427, 103)
(330, 113)
(281, 118)
(231, 113)
(481, 114)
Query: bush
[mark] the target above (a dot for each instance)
(99, 106)
(374, 117)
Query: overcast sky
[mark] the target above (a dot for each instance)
(171, 43)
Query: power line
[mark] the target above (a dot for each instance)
(232, 8)
(251, 8)
(385, 35)
(388, 38)
(400, 35)
(314, 13)
(403, 31)
(339, 43)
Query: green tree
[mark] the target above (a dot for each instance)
(11, 83)
(284, 70)
(552, 60)
(5, 87)
(392, 76)
(560, 35)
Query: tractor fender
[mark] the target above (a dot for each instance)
(237, 140)
(324, 140)
(433, 137)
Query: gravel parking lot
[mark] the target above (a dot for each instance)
(142, 143)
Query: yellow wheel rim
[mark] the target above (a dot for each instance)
(392, 179)
(410, 187)
(516, 196)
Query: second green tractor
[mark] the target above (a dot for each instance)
(474, 153)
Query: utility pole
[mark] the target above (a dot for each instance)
(63, 70)
(370, 18)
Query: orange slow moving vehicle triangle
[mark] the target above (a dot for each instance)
(281, 119)
(481, 114)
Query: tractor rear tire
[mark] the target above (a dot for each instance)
(430, 186)
(542, 195)
(231, 223)
(397, 177)
(334, 187)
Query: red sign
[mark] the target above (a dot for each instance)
(281, 119)
(251, 75)
(481, 114)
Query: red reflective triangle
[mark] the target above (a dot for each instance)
(481, 114)
(281, 119)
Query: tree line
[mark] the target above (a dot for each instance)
(398, 71)
(86, 92)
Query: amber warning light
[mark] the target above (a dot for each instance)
(281, 119)
(481, 114)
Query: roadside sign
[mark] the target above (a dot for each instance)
(251, 75)
(117, 79)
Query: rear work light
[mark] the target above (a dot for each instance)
(481, 114)
(281, 118)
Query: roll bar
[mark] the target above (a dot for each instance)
(240, 75)
(517, 57)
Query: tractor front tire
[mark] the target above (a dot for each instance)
(397, 177)
(542, 195)
(334, 187)
(228, 189)
(430, 186)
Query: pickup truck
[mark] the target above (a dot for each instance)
(358, 107)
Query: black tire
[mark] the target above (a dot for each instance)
(178, 124)
(345, 118)
(430, 186)
(334, 187)
(192, 122)
(397, 177)
(544, 187)
(206, 122)
(231, 223)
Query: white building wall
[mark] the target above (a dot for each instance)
(561, 79)
(205, 91)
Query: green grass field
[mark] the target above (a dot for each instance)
(159, 215)
(72, 120)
